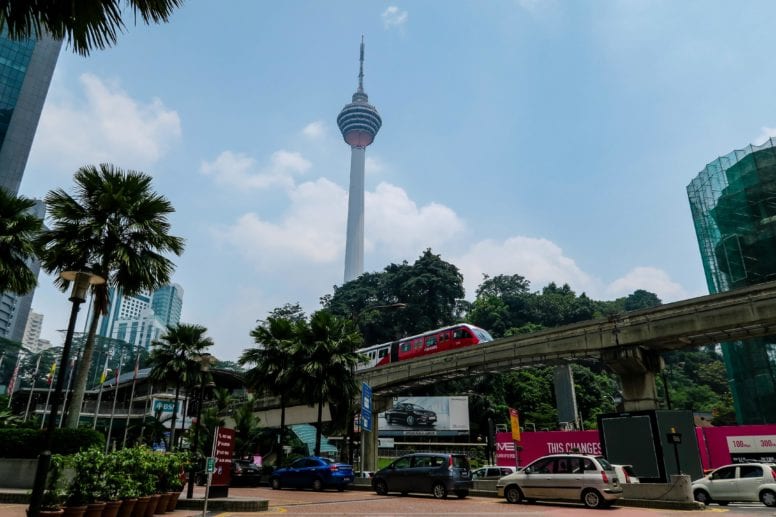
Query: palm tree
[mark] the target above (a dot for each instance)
(175, 360)
(329, 358)
(274, 369)
(114, 226)
(87, 24)
(18, 227)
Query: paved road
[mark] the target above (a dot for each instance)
(357, 503)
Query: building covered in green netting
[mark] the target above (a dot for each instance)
(733, 204)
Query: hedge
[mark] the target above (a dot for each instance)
(27, 443)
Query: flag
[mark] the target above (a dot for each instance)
(104, 374)
(52, 371)
(514, 419)
(12, 382)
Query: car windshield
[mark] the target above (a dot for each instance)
(604, 463)
(483, 335)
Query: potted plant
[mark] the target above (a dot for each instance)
(174, 477)
(53, 495)
(88, 483)
(120, 484)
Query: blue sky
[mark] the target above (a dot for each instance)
(552, 139)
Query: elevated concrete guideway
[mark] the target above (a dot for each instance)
(629, 344)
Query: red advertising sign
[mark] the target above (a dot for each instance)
(535, 445)
(223, 451)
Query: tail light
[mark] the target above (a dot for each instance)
(604, 477)
(773, 473)
(627, 476)
(333, 468)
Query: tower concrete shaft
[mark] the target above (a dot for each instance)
(359, 122)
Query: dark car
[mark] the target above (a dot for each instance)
(312, 472)
(436, 473)
(410, 414)
(245, 472)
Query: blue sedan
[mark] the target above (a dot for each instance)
(312, 472)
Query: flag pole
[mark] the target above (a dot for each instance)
(131, 397)
(14, 376)
(115, 398)
(48, 395)
(69, 382)
(103, 376)
(32, 390)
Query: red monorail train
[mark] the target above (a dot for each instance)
(439, 340)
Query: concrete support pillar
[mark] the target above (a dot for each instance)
(637, 368)
(370, 442)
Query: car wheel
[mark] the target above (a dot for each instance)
(592, 499)
(381, 487)
(702, 497)
(317, 484)
(275, 482)
(439, 491)
(513, 494)
(768, 497)
(461, 493)
(410, 420)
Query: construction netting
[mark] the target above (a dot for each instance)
(733, 204)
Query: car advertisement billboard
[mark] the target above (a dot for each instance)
(425, 416)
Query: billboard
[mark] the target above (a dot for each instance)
(535, 445)
(425, 416)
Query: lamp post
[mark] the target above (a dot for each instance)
(81, 282)
(204, 366)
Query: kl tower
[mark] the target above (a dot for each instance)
(359, 122)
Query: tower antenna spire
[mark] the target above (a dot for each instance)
(361, 68)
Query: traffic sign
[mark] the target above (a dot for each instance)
(211, 465)
(366, 407)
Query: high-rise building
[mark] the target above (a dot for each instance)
(142, 318)
(167, 303)
(26, 68)
(733, 204)
(32, 331)
(359, 122)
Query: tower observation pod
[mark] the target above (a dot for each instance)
(359, 122)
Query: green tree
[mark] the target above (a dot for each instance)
(18, 228)
(115, 226)
(273, 368)
(328, 360)
(176, 360)
(87, 24)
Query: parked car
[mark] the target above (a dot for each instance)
(245, 472)
(626, 474)
(492, 472)
(435, 473)
(312, 472)
(569, 477)
(410, 414)
(740, 482)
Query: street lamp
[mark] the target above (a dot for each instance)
(81, 282)
(204, 365)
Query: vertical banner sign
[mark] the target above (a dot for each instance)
(224, 449)
(366, 407)
(514, 420)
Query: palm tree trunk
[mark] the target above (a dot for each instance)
(319, 428)
(74, 415)
(172, 422)
(282, 429)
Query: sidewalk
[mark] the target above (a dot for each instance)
(20, 510)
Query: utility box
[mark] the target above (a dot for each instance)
(658, 443)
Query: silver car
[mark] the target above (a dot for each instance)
(739, 482)
(565, 477)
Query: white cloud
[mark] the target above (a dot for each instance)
(650, 279)
(765, 134)
(394, 17)
(104, 124)
(315, 130)
(539, 260)
(239, 170)
(374, 166)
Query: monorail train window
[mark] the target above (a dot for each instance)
(406, 346)
(382, 353)
(461, 333)
(418, 343)
(444, 336)
(431, 341)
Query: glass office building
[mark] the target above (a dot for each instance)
(733, 204)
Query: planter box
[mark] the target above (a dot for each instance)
(18, 473)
